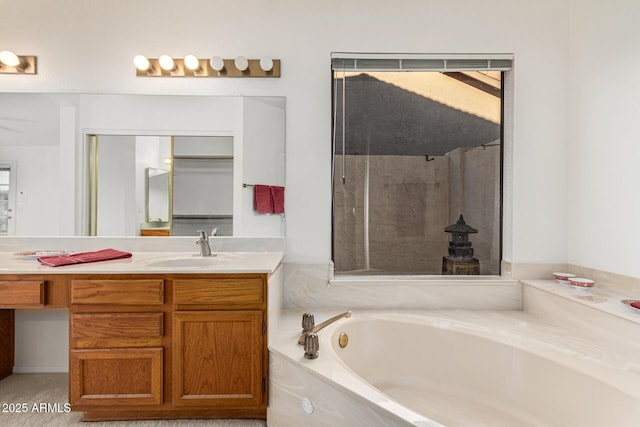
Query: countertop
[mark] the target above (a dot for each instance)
(153, 262)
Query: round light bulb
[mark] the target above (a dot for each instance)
(192, 62)
(141, 62)
(166, 62)
(241, 63)
(217, 63)
(266, 63)
(9, 58)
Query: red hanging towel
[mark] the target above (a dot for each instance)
(262, 199)
(277, 198)
(83, 257)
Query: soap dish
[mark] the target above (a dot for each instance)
(580, 282)
(633, 304)
(563, 277)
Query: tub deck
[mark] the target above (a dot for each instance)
(423, 403)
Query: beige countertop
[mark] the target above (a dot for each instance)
(151, 263)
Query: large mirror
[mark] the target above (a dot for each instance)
(131, 165)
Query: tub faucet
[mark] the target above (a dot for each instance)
(309, 328)
(203, 241)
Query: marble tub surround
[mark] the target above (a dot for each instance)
(595, 313)
(582, 354)
(522, 271)
(533, 271)
(313, 286)
(331, 405)
(617, 283)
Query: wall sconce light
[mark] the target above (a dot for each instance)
(10, 63)
(192, 66)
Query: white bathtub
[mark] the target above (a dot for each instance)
(454, 369)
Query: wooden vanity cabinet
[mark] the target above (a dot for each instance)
(219, 341)
(168, 346)
(116, 342)
(25, 291)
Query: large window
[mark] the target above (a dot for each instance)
(417, 143)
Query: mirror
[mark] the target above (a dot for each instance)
(60, 181)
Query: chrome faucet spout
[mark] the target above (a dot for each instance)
(203, 241)
(323, 325)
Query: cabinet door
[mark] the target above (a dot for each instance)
(6, 342)
(120, 376)
(218, 358)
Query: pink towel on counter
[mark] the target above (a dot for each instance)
(83, 257)
(262, 199)
(277, 198)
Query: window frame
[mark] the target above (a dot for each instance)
(505, 62)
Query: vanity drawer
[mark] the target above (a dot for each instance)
(117, 291)
(22, 293)
(219, 293)
(109, 330)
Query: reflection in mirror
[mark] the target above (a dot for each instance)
(202, 186)
(193, 191)
(157, 206)
(45, 136)
(7, 198)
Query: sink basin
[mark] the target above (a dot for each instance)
(186, 262)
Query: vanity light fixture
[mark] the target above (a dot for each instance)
(10, 63)
(192, 62)
(192, 66)
(217, 63)
(241, 63)
(9, 58)
(266, 63)
(141, 63)
(167, 63)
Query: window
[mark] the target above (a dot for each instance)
(417, 142)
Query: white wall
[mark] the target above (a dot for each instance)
(88, 47)
(604, 148)
(262, 129)
(38, 203)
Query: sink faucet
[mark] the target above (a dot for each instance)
(308, 328)
(203, 241)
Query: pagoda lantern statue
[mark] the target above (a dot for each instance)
(460, 246)
(460, 259)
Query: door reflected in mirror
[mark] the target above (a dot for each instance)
(182, 184)
(158, 196)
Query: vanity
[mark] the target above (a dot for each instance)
(163, 334)
(158, 335)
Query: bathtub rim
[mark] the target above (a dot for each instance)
(576, 359)
(330, 366)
